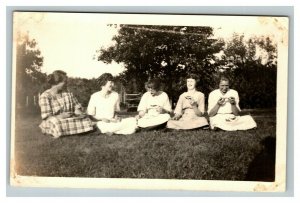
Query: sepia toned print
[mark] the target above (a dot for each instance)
(158, 102)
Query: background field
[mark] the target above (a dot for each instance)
(198, 154)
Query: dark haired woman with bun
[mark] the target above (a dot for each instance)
(60, 110)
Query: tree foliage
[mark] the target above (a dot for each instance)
(251, 65)
(165, 52)
(83, 88)
(257, 48)
(29, 78)
(171, 52)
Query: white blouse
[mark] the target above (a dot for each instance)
(148, 101)
(215, 95)
(103, 107)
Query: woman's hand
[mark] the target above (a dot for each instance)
(65, 115)
(232, 100)
(116, 119)
(159, 109)
(176, 117)
(221, 101)
(141, 114)
(193, 103)
(105, 120)
(78, 112)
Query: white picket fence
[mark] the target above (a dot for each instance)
(32, 100)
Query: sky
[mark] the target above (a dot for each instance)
(69, 41)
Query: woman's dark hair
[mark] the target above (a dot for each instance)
(154, 84)
(224, 78)
(192, 76)
(56, 77)
(104, 78)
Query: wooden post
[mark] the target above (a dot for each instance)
(121, 95)
(27, 101)
(124, 97)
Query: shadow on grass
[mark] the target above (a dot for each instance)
(262, 168)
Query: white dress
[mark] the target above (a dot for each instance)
(104, 108)
(225, 119)
(189, 119)
(149, 104)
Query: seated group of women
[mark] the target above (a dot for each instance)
(62, 114)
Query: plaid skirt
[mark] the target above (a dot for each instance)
(67, 126)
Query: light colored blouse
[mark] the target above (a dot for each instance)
(103, 107)
(184, 103)
(215, 95)
(148, 102)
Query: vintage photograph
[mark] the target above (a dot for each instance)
(139, 101)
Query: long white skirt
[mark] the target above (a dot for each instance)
(230, 122)
(184, 124)
(153, 120)
(125, 127)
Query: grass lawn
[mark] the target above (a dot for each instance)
(199, 154)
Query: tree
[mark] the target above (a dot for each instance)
(29, 78)
(236, 47)
(260, 49)
(165, 52)
(269, 48)
(251, 66)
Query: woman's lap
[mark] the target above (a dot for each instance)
(70, 126)
(148, 121)
(186, 124)
(229, 122)
(126, 126)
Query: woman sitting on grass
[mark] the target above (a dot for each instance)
(154, 108)
(189, 111)
(224, 109)
(103, 106)
(60, 110)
